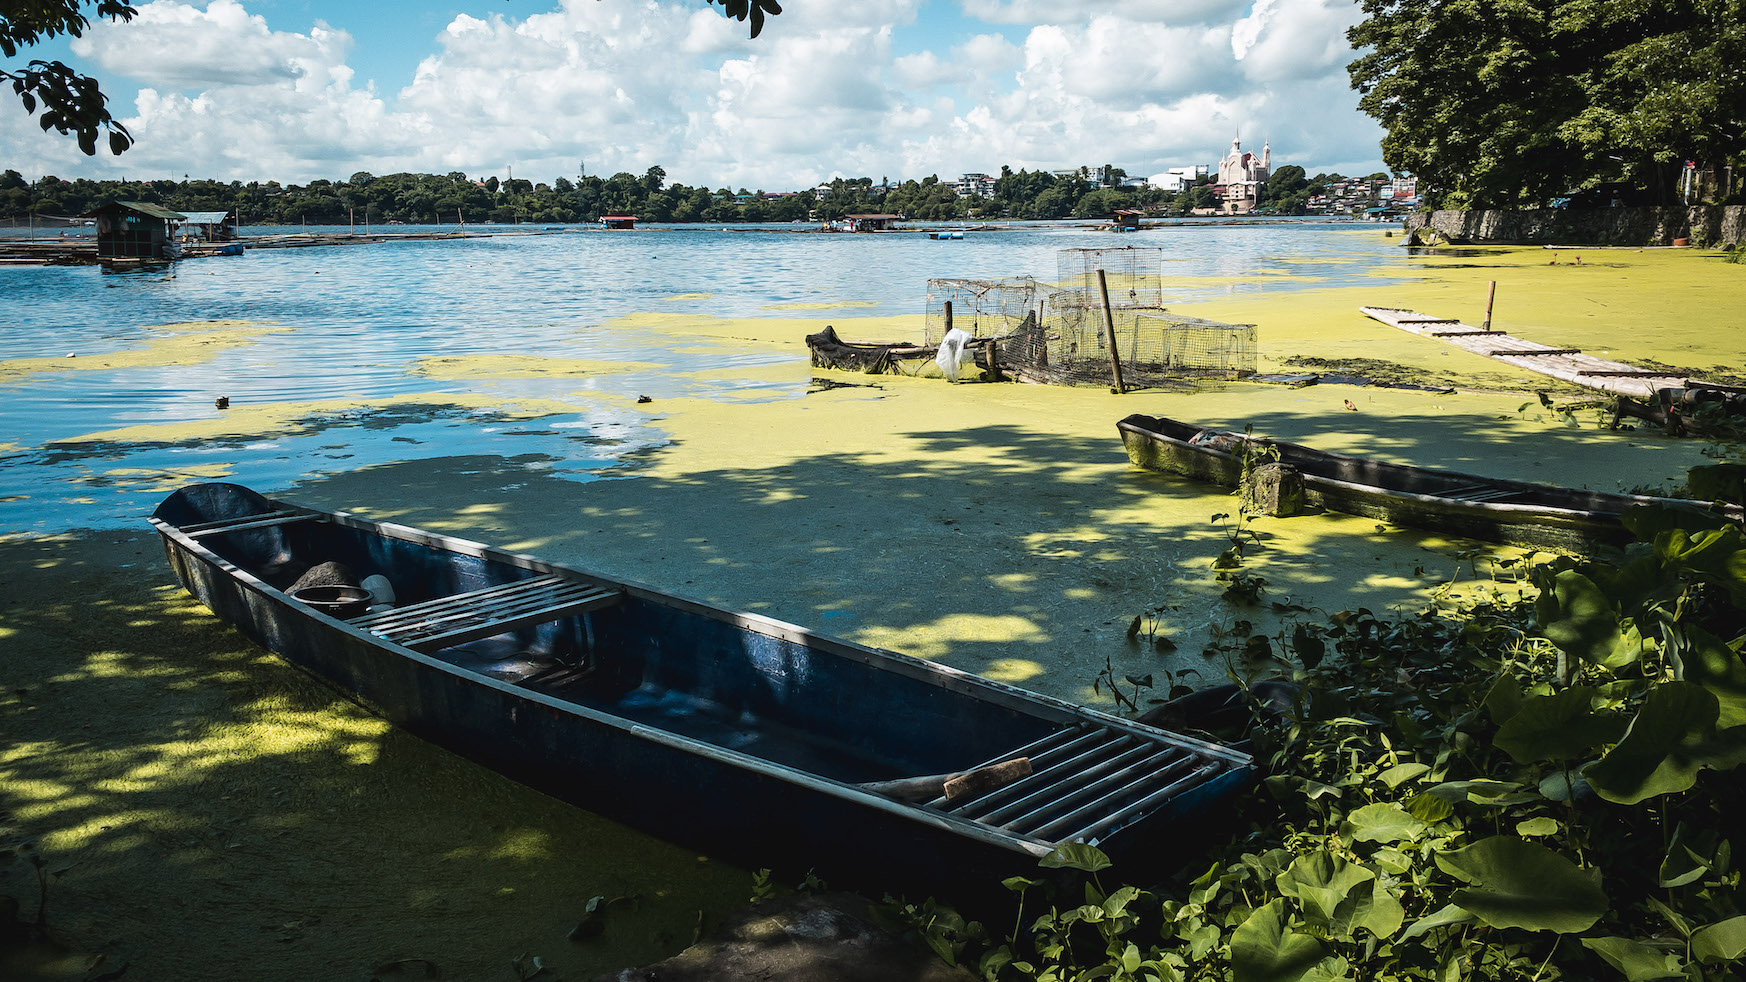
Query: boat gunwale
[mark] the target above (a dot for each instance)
(1054, 710)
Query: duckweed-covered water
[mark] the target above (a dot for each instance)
(518, 346)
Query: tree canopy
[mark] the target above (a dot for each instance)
(1514, 103)
(433, 199)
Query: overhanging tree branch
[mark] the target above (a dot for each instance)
(70, 102)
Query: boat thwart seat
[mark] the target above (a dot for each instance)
(266, 520)
(447, 621)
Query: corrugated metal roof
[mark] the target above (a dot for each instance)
(156, 211)
(205, 217)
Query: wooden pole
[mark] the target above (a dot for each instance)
(1115, 359)
(1042, 338)
(1489, 297)
(948, 320)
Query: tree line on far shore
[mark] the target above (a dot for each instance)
(455, 198)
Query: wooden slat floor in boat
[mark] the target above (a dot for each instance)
(447, 621)
(1086, 782)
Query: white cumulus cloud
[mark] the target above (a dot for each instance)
(826, 90)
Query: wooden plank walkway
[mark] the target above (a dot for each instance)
(1569, 364)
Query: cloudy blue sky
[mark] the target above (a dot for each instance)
(294, 90)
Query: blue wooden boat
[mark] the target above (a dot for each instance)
(728, 731)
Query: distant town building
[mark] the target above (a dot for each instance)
(1241, 174)
(1178, 178)
(975, 185)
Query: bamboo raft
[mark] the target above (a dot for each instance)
(1568, 364)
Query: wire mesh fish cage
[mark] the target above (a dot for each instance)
(1064, 336)
(983, 308)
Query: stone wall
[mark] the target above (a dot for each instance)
(1712, 226)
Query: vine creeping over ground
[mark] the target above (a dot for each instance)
(1525, 784)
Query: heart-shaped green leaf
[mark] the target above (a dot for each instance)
(1560, 726)
(1382, 822)
(1517, 883)
(1076, 855)
(1709, 662)
(1262, 950)
(1638, 961)
(1663, 750)
(1719, 943)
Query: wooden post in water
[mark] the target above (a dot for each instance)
(1489, 297)
(1115, 359)
(1042, 338)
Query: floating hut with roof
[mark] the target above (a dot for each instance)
(134, 230)
(207, 226)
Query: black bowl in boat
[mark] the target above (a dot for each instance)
(343, 602)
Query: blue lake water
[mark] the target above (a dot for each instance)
(360, 318)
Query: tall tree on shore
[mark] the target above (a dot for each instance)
(74, 103)
(1497, 104)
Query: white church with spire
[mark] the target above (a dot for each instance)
(1241, 174)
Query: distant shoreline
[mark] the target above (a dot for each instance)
(79, 248)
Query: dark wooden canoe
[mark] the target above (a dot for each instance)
(1520, 513)
(721, 730)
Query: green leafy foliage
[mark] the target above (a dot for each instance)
(1510, 104)
(70, 103)
(1515, 883)
(1263, 949)
(1519, 784)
